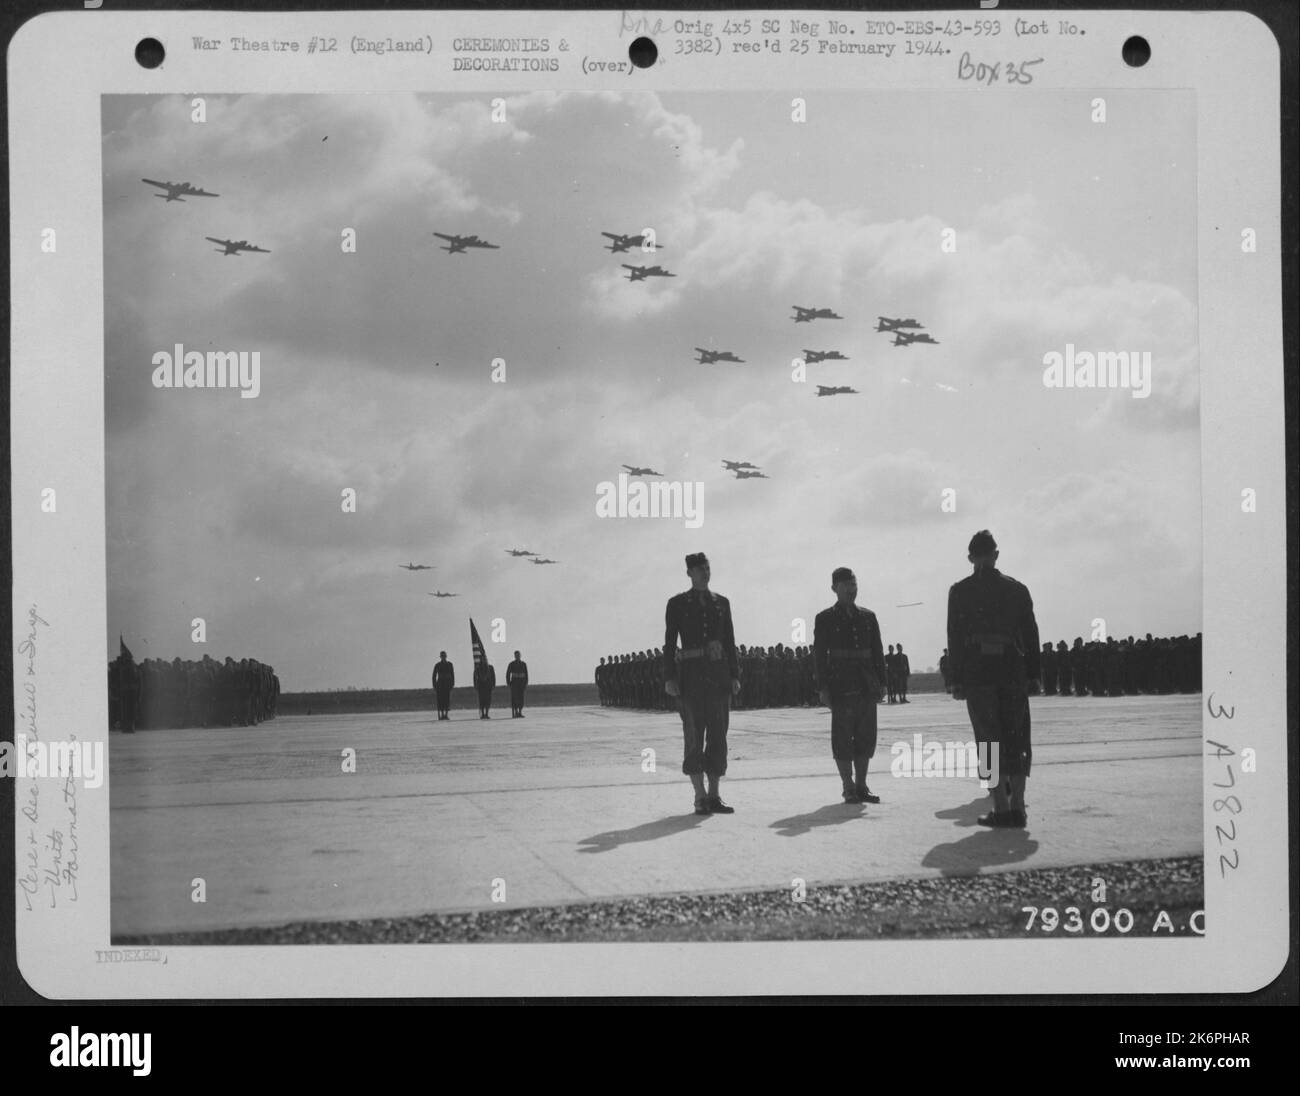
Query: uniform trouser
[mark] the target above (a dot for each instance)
(853, 727)
(1000, 713)
(444, 699)
(705, 714)
(485, 699)
(516, 697)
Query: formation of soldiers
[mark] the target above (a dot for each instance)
(1117, 667)
(770, 677)
(156, 693)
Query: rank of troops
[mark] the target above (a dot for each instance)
(156, 693)
(770, 677)
(1117, 667)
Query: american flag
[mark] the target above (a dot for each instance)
(480, 655)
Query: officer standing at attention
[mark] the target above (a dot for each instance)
(517, 679)
(485, 680)
(993, 640)
(891, 674)
(904, 672)
(850, 668)
(444, 680)
(704, 675)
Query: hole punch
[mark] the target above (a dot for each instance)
(1136, 51)
(643, 52)
(149, 53)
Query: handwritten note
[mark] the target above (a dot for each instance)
(49, 864)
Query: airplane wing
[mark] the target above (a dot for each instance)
(224, 243)
(444, 236)
(264, 250)
(195, 192)
(155, 182)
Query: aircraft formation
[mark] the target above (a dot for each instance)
(178, 192)
(620, 244)
(906, 331)
(532, 557)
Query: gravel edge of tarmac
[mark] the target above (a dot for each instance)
(991, 905)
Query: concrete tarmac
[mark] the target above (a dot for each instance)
(566, 805)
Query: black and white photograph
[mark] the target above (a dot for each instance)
(710, 439)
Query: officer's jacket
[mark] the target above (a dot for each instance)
(702, 620)
(847, 653)
(517, 673)
(992, 634)
(444, 673)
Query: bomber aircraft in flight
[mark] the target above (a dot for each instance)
(807, 315)
(884, 323)
(633, 470)
(626, 243)
(234, 247)
(175, 190)
(708, 357)
(824, 390)
(457, 245)
(905, 338)
(417, 566)
(641, 273)
(812, 357)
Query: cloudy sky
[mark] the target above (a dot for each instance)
(376, 368)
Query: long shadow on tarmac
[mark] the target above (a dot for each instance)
(647, 831)
(985, 848)
(834, 814)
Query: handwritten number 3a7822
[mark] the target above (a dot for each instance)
(1230, 802)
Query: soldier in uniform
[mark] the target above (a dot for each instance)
(1062, 669)
(891, 674)
(945, 671)
(1079, 667)
(993, 637)
(444, 680)
(904, 668)
(517, 679)
(1048, 662)
(485, 680)
(850, 669)
(704, 676)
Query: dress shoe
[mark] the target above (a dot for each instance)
(865, 795)
(717, 806)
